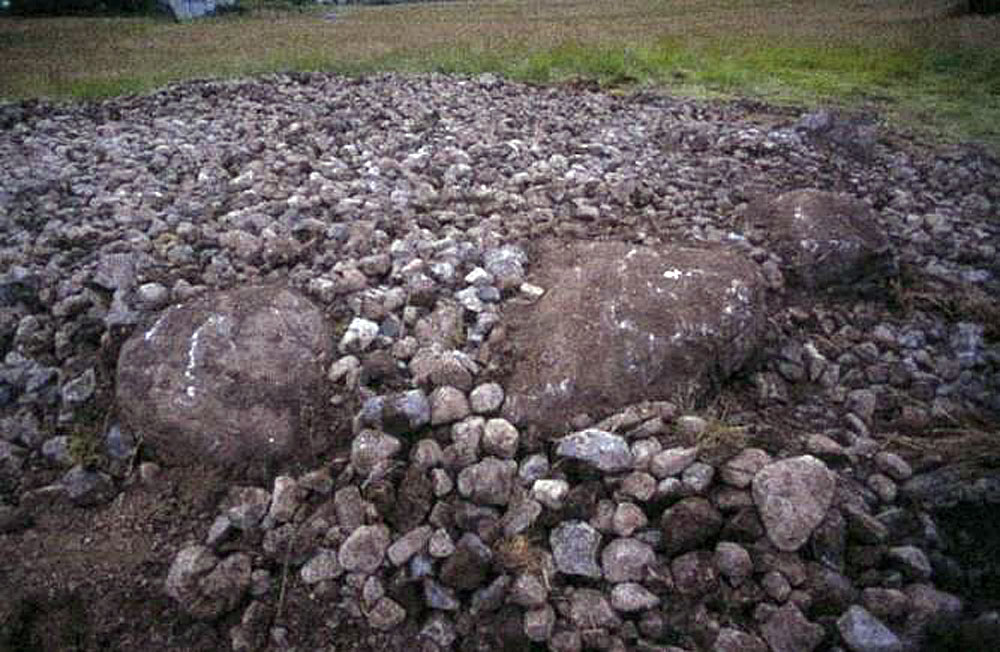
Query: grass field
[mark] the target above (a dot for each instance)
(917, 62)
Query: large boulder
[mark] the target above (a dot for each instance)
(825, 240)
(231, 378)
(621, 323)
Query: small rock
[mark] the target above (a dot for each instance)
(359, 336)
(689, 524)
(626, 560)
(787, 630)
(285, 499)
(486, 398)
(448, 405)
(406, 412)
(364, 550)
(323, 566)
(628, 518)
(409, 544)
(500, 438)
(792, 496)
(249, 506)
(386, 614)
(85, 488)
(733, 561)
(694, 573)
(539, 623)
(672, 461)
(629, 597)
(488, 482)
(740, 470)
(602, 450)
(574, 548)
(550, 493)
(862, 632)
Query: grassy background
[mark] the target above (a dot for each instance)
(918, 62)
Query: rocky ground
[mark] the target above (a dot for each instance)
(835, 493)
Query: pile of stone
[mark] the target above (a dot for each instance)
(475, 318)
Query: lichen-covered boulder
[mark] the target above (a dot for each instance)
(620, 323)
(231, 378)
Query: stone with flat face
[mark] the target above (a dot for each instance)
(792, 497)
(621, 323)
(230, 378)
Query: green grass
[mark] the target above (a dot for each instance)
(917, 62)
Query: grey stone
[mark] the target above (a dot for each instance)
(628, 518)
(539, 623)
(630, 597)
(550, 493)
(386, 614)
(371, 449)
(406, 412)
(438, 596)
(672, 461)
(409, 544)
(912, 561)
(249, 506)
(787, 630)
(500, 438)
(862, 632)
(698, 477)
(55, 450)
(733, 561)
(574, 548)
(792, 497)
(733, 640)
(359, 336)
(740, 470)
(521, 516)
(626, 560)
(528, 590)
(589, 609)
(323, 566)
(694, 573)
(229, 378)
(486, 398)
(488, 482)
(285, 499)
(893, 466)
(364, 550)
(448, 405)
(79, 389)
(639, 485)
(204, 586)
(602, 450)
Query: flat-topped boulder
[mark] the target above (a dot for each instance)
(620, 324)
(229, 378)
(825, 240)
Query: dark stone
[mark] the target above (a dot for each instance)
(231, 378)
(620, 324)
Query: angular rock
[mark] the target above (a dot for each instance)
(204, 586)
(863, 632)
(231, 378)
(626, 560)
(364, 550)
(793, 496)
(574, 548)
(630, 596)
(787, 630)
(602, 450)
(488, 482)
(620, 324)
